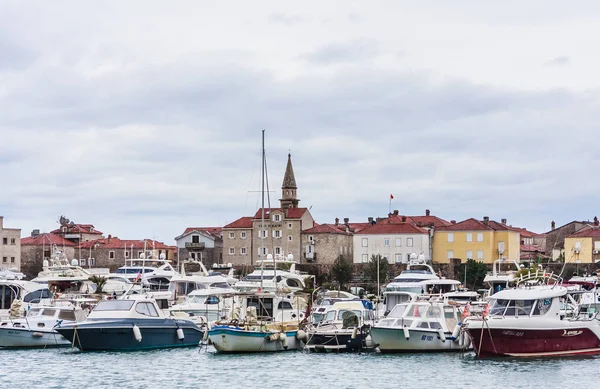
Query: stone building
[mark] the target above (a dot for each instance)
(323, 243)
(247, 240)
(202, 243)
(555, 238)
(37, 247)
(112, 252)
(10, 247)
(76, 232)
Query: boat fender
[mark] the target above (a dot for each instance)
(354, 332)
(369, 342)
(180, 334)
(442, 335)
(301, 335)
(37, 334)
(406, 333)
(461, 339)
(283, 339)
(137, 333)
(273, 337)
(456, 332)
(205, 335)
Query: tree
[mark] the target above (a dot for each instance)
(384, 266)
(476, 272)
(99, 281)
(341, 271)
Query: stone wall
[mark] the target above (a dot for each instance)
(32, 258)
(327, 247)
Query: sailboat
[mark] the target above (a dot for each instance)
(263, 321)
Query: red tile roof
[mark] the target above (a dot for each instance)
(421, 221)
(213, 231)
(327, 229)
(243, 222)
(526, 233)
(292, 213)
(357, 227)
(46, 239)
(532, 248)
(466, 225)
(393, 228)
(78, 228)
(501, 227)
(585, 232)
(116, 243)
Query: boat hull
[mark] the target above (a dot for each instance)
(335, 341)
(26, 338)
(120, 335)
(231, 339)
(393, 340)
(499, 342)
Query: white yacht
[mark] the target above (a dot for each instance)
(502, 276)
(16, 295)
(155, 273)
(37, 328)
(182, 283)
(208, 304)
(273, 274)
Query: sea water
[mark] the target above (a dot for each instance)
(204, 368)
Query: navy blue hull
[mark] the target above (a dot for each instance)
(119, 335)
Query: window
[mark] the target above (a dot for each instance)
(365, 242)
(289, 238)
(310, 238)
(146, 309)
(480, 255)
(243, 251)
(82, 262)
(4, 259)
(126, 254)
(232, 251)
(398, 258)
(398, 242)
(193, 255)
(386, 242)
(195, 238)
(500, 247)
(140, 254)
(91, 261)
(277, 218)
(276, 233)
(365, 258)
(111, 255)
(36, 296)
(409, 242)
(450, 254)
(469, 236)
(262, 251)
(13, 241)
(232, 235)
(469, 254)
(263, 234)
(243, 234)
(278, 250)
(12, 259)
(4, 240)
(450, 237)
(480, 236)
(290, 226)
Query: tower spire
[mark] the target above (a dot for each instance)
(289, 187)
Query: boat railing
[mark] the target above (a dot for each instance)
(539, 277)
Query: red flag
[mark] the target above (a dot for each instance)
(391, 196)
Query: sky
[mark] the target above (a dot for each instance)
(145, 117)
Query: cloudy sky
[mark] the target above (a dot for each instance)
(144, 117)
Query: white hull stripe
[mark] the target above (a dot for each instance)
(554, 353)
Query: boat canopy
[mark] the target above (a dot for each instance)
(530, 293)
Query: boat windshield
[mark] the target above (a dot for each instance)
(114, 305)
(342, 311)
(398, 310)
(409, 289)
(221, 285)
(254, 278)
(135, 270)
(518, 307)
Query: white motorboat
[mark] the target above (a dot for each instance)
(210, 304)
(270, 323)
(540, 317)
(273, 275)
(503, 275)
(37, 329)
(415, 326)
(16, 295)
(344, 327)
(182, 284)
(155, 273)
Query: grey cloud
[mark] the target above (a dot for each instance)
(287, 19)
(558, 61)
(344, 52)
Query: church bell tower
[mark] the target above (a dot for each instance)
(289, 187)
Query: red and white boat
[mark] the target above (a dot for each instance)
(534, 321)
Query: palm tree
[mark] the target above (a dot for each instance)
(99, 281)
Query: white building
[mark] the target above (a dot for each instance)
(394, 241)
(10, 247)
(202, 243)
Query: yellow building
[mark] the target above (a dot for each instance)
(484, 241)
(583, 246)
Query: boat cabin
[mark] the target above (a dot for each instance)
(532, 302)
(129, 308)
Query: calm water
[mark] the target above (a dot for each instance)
(203, 368)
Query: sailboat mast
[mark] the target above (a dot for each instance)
(262, 217)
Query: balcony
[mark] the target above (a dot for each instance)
(194, 246)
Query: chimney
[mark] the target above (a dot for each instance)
(596, 221)
(109, 236)
(337, 221)
(553, 225)
(403, 219)
(370, 220)
(390, 214)
(35, 233)
(486, 220)
(395, 212)
(1, 222)
(452, 221)
(427, 213)
(346, 220)
(503, 221)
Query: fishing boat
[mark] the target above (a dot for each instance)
(344, 327)
(130, 324)
(37, 329)
(540, 317)
(427, 324)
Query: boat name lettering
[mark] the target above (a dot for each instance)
(427, 338)
(14, 332)
(513, 333)
(571, 333)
